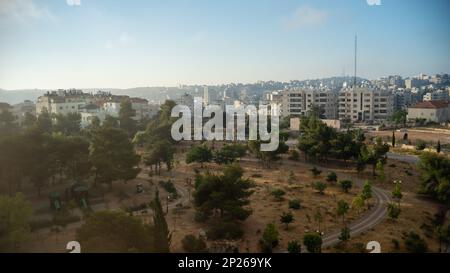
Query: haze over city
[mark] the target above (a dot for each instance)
(122, 44)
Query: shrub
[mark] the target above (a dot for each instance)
(278, 194)
(320, 187)
(269, 239)
(294, 204)
(420, 145)
(313, 242)
(193, 244)
(346, 185)
(294, 247)
(332, 177)
(415, 244)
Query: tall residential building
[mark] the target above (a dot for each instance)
(365, 104)
(403, 99)
(298, 102)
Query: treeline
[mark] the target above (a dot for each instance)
(320, 142)
(49, 148)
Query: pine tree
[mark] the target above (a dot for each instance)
(393, 139)
(162, 235)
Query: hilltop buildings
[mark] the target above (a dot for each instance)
(89, 106)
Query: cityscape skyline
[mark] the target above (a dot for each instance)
(86, 44)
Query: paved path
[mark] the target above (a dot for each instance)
(369, 220)
(402, 157)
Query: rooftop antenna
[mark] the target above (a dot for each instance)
(356, 51)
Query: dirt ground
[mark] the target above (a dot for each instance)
(414, 134)
(415, 209)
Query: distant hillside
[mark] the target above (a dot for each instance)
(17, 96)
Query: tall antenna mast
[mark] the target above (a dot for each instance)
(356, 51)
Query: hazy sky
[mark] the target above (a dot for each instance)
(116, 43)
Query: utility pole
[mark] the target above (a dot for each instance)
(356, 52)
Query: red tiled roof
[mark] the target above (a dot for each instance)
(138, 100)
(431, 104)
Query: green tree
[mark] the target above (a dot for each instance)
(110, 122)
(313, 242)
(15, 215)
(435, 176)
(366, 192)
(71, 155)
(226, 194)
(112, 231)
(287, 218)
(374, 154)
(267, 157)
(7, 123)
(343, 146)
(44, 122)
(229, 153)
(68, 124)
(29, 120)
(393, 138)
(345, 234)
(270, 238)
(126, 115)
(160, 152)
(332, 177)
(393, 210)
(399, 117)
(342, 209)
(346, 185)
(316, 138)
(200, 154)
(162, 234)
(113, 156)
(397, 192)
(358, 202)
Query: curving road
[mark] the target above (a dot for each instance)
(370, 219)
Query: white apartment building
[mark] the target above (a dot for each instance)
(89, 112)
(63, 101)
(90, 106)
(364, 104)
(436, 95)
(298, 102)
